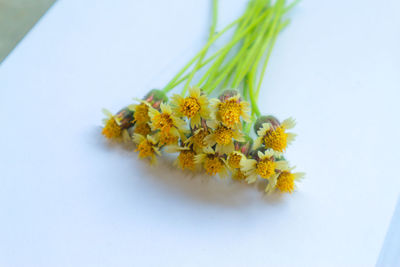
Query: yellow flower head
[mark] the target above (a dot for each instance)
(234, 159)
(141, 114)
(212, 162)
(194, 107)
(230, 110)
(223, 137)
(168, 138)
(142, 128)
(147, 147)
(197, 140)
(285, 181)
(275, 136)
(264, 166)
(186, 157)
(238, 175)
(165, 120)
(186, 160)
(111, 129)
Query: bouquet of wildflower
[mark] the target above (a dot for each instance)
(214, 134)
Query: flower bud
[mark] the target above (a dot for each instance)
(124, 118)
(227, 94)
(245, 146)
(265, 119)
(155, 97)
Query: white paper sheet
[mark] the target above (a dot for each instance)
(67, 198)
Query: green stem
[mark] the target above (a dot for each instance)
(248, 62)
(211, 34)
(168, 87)
(251, 12)
(267, 43)
(270, 47)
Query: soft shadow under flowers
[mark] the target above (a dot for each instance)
(198, 187)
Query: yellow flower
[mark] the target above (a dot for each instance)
(166, 120)
(142, 128)
(186, 157)
(230, 110)
(197, 140)
(223, 137)
(141, 110)
(264, 165)
(113, 129)
(238, 175)
(275, 137)
(194, 107)
(234, 159)
(285, 181)
(147, 147)
(168, 138)
(212, 162)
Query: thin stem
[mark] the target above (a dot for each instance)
(270, 47)
(251, 12)
(211, 34)
(168, 87)
(256, 48)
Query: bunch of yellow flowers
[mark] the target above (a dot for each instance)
(213, 134)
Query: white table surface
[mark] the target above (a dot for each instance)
(69, 199)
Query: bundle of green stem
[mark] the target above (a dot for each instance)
(213, 134)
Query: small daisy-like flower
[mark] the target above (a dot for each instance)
(274, 135)
(111, 129)
(212, 162)
(185, 159)
(223, 137)
(197, 140)
(234, 159)
(168, 138)
(264, 165)
(238, 175)
(141, 112)
(194, 107)
(115, 125)
(286, 181)
(147, 147)
(166, 120)
(142, 128)
(230, 110)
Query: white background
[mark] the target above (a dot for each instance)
(68, 198)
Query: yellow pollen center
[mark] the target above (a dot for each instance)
(186, 160)
(142, 128)
(234, 160)
(111, 129)
(141, 114)
(189, 107)
(145, 149)
(223, 135)
(230, 112)
(276, 139)
(239, 175)
(265, 168)
(213, 164)
(285, 182)
(198, 138)
(167, 138)
(163, 122)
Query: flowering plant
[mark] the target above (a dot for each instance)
(214, 134)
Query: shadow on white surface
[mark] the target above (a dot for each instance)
(192, 186)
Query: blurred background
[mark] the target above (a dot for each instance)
(17, 17)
